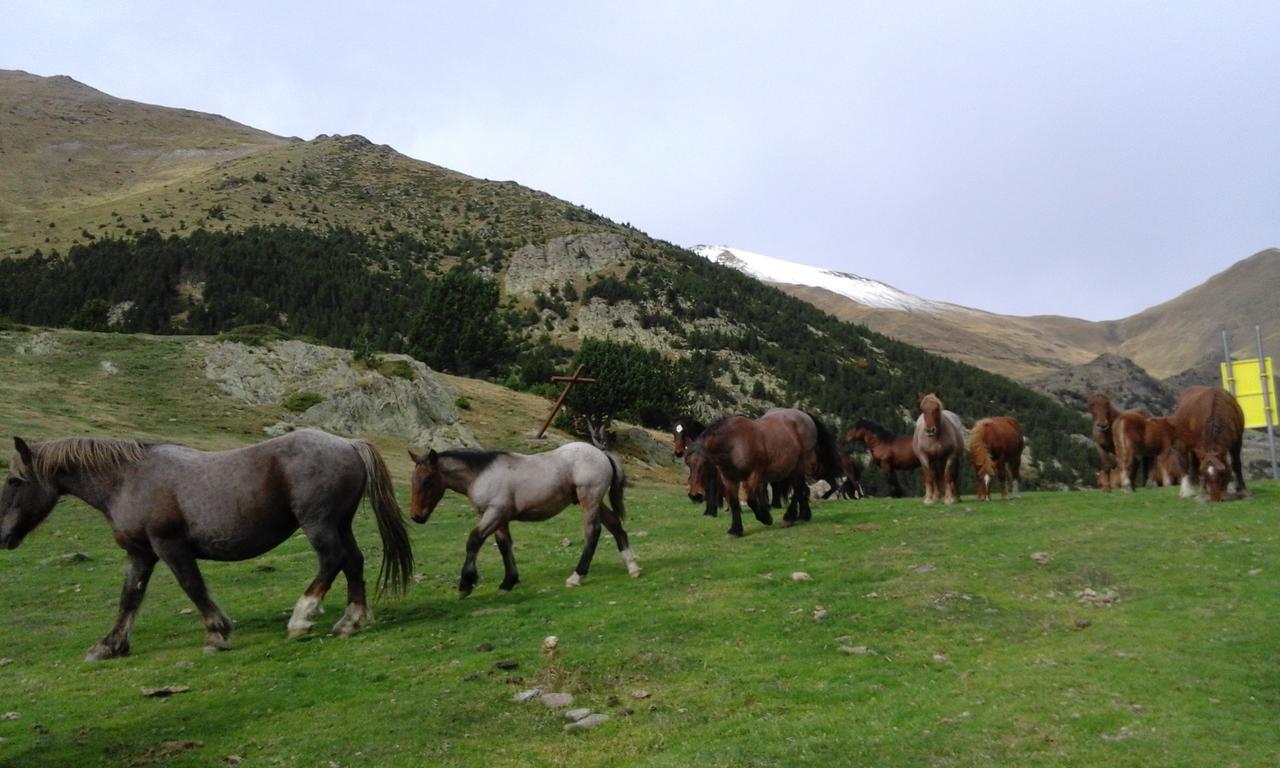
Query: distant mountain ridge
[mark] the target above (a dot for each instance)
(1165, 340)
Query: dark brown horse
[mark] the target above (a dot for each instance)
(1210, 427)
(939, 443)
(177, 504)
(685, 430)
(1139, 439)
(741, 454)
(504, 486)
(889, 452)
(995, 448)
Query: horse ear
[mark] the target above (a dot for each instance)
(433, 458)
(415, 457)
(23, 449)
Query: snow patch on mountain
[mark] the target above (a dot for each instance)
(865, 291)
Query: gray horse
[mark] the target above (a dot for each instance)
(506, 486)
(178, 504)
(939, 444)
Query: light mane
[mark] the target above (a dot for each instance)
(978, 452)
(94, 455)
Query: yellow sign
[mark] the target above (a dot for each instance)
(1244, 379)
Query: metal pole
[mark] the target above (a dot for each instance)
(1266, 401)
(1226, 358)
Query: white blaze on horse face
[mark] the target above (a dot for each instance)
(679, 429)
(303, 612)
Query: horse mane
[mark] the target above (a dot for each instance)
(713, 426)
(978, 446)
(474, 459)
(95, 455)
(884, 435)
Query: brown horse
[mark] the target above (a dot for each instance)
(939, 443)
(995, 448)
(1139, 439)
(177, 504)
(1210, 430)
(744, 454)
(1103, 414)
(685, 430)
(889, 452)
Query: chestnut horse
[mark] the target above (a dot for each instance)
(939, 443)
(1139, 439)
(176, 504)
(685, 430)
(1210, 428)
(995, 448)
(740, 453)
(1103, 414)
(889, 452)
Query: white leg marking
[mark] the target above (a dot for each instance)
(355, 617)
(629, 558)
(573, 580)
(303, 612)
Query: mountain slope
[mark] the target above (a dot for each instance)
(342, 240)
(1165, 340)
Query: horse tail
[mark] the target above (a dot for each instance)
(828, 458)
(397, 552)
(616, 484)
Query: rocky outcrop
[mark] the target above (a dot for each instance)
(1128, 385)
(538, 267)
(352, 400)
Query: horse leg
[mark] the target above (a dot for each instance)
(895, 487)
(590, 537)
(756, 499)
(490, 521)
(137, 572)
(735, 509)
(1238, 468)
(357, 614)
(512, 576)
(779, 492)
(332, 551)
(178, 556)
(801, 492)
(950, 490)
(930, 483)
(614, 524)
(1191, 477)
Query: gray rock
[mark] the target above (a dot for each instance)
(590, 721)
(355, 400)
(538, 267)
(527, 696)
(576, 714)
(556, 700)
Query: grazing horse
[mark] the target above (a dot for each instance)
(995, 448)
(1103, 415)
(888, 451)
(504, 486)
(1210, 428)
(178, 504)
(1139, 440)
(744, 454)
(939, 444)
(847, 484)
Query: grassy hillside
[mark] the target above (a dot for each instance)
(963, 649)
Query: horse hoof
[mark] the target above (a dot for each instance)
(734, 534)
(634, 572)
(295, 631)
(464, 591)
(212, 648)
(574, 580)
(102, 652)
(929, 502)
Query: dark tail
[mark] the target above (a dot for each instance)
(616, 484)
(397, 552)
(828, 460)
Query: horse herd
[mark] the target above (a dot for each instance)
(176, 504)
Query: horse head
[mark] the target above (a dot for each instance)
(1214, 473)
(931, 409)
(696, 461)
(426, 486)
(1101, 411)
(684, 431)
(27, 498)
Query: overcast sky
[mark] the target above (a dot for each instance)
(1087, 159)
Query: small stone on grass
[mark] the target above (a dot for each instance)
(556, 700)
(590, 721)
(801, 576)
(576, 714)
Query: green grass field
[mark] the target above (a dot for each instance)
(977, 653)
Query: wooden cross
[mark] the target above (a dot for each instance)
(576, 378)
